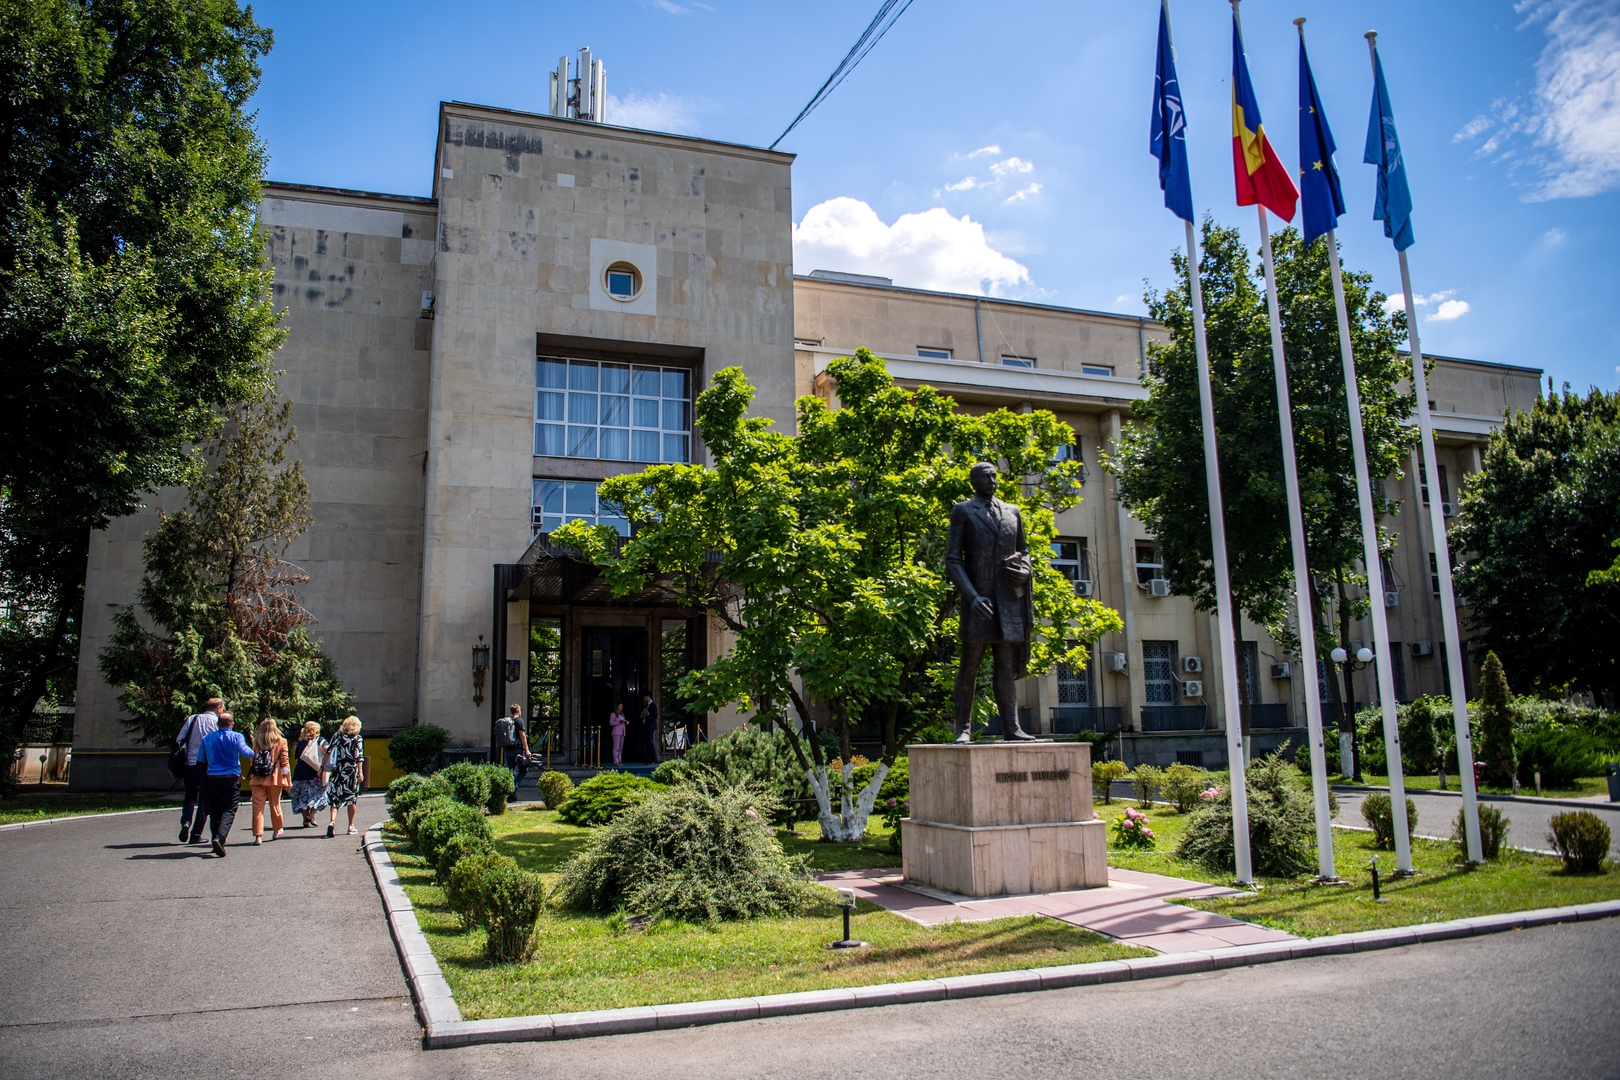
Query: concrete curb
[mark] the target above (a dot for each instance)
(1580, 804)
(87, 817)
(435, 1005)
(443, 1026)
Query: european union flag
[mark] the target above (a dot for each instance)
(1318, 177)
(1168, 142)
(1393, 204)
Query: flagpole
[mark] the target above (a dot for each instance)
(1442, 559)
(1223, 588)
(1326, 869)
(1375, 571)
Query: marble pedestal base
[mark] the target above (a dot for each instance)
(1003, 860)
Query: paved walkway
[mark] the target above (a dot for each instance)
(1134, 908)
(1528, 829)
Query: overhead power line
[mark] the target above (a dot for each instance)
(888, 14)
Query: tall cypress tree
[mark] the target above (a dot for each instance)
(1496, 723)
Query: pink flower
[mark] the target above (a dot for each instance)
(1146, 831)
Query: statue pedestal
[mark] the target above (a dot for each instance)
(998, 819)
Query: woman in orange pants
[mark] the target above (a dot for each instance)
(270, 777)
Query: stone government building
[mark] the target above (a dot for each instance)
(464, 368)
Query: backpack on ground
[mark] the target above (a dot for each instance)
(177, 750)
(505, 732)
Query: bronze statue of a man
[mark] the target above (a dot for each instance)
(987, 559)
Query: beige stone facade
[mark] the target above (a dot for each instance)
(438, 356)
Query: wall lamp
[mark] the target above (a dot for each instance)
(480, 669)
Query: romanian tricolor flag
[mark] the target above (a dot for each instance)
(1261, 176)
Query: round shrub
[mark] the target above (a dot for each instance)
(554, 788)
(436, 827)
(469, 783)
(459, 847)
(1379, 813)
(1132, 831)
(512, 900)
(1282, 824)
(1493, 830)
(688, 853)
(501, 787)
(409, 792)
(417, 749)
(1581, 839)
(403, 784)
(1184, 786)
(464, 884)
(603, 796)
(419, 811)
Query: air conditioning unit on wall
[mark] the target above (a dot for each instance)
(1192, 663)
(1448, 509)
(1422, 648)
(1083, 588)
(1114, 661)
(1282, 671)
(1159, 587)
(1392, 598)
(1192, 688)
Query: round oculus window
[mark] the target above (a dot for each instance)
(622, 281)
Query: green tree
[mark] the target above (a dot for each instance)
(1158, 462)
(1496, 716)
(824, 556)
(133, 295)
(221, 600)
(1535, 545)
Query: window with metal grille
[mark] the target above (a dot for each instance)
(612, 412)
(1074, 685)
(1251, 673)
(1159, 672)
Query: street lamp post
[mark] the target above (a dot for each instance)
(1364, 656)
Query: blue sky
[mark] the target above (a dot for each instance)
(1003, 147)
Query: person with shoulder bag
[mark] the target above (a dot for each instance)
(186, 752)
(270, 776)
(308, 786)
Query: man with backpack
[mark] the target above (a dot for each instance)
(224, 751)
(514, 744)
(197, 727)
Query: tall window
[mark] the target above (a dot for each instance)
(1159, 672)
(1434, 575)
(1251, 673)
(545, 678)
(614, 412)
(1148, 565)
(557, 501)
(1074, 685)
(1397, 671)
(1071, 559)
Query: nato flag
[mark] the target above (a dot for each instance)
(1318, 178)
(1393, 204)
(1169, 138)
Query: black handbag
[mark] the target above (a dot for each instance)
(177, 750)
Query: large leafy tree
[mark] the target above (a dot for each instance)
(221, 610)
(1159, 462)
(823, 554)
(1535, 545)
(133, 296)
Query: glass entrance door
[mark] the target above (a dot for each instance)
(615, 673)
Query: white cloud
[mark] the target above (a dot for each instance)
(992, 150)
(929, 250)
(1021, 194)
(672, 8)
(967, 183)
(1572, 122)
(1445, 308)
(653, 112)
(1011, 165)
(1553, 237)
(1449, 310)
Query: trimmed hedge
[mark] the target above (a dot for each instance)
(417, 749)
(469, 783)
(457, 848)
(419, 811)
(512, 901)
(435, 827)
(463, 885)
(554, 788)
(501, 787)
(605, 795)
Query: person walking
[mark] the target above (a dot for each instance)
(194, 811)
(343, 762)
(617, 724)
(224, 751)
(270, 777)
(519, 760)
(308, 788)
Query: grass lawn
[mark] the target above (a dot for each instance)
(1444, 888)
(1584, 788)
(30, 807)
(596, 962)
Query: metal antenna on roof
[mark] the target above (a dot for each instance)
(584, 96)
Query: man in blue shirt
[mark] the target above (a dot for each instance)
(224, 752)
(197, 727)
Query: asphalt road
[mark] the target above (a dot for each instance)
(1436, 813)
(128, 956)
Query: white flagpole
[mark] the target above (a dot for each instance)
(1223, 588)
(1375, 575)
(1442, 557)
(1325, 866)
(1237, 777)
